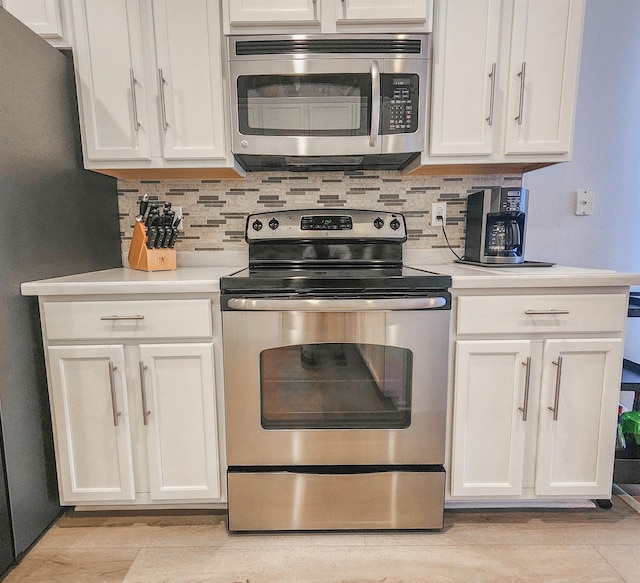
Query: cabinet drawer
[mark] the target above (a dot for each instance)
(127, 319)
(545, 314)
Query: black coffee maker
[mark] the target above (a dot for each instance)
(496, 224)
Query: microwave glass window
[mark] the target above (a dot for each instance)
(304, 105)
(336, 386)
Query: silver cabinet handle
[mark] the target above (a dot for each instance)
(556, 400)
(163, 105)
(143, 390)
(492, 76)
(114, 401)
(521, 74)
(375, 103)
(334, 305)
(546, 312)
(525, 404)
(134, 102)
(136, 317)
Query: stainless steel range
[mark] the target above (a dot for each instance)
(335, 358)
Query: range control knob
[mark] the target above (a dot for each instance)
(257, 225)
(394, 224)
(378, 223)
(274, 224)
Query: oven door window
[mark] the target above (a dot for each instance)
(336, 386)
(304, 105)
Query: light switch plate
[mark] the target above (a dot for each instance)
(584, 201)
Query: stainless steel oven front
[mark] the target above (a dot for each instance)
(363, 386)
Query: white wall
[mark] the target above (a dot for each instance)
(606, 158)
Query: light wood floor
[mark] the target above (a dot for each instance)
(590, 545)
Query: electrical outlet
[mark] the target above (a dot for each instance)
(438, 209)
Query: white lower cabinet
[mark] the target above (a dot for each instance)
(91, 423)
(134, 423)
(578, 417)
(177, 385)
(535, 417)
(488, 431)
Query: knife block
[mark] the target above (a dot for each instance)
(149, 259)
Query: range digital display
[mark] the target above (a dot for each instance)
(326, 223)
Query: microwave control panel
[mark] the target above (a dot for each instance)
(399, 103)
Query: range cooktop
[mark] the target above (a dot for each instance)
(314, 279)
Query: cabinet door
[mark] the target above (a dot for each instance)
(543, 75)
(465, 69)
(181, 421)
(489, 417)
(91, 423)
(111, 82)
(41, 16)
(241, 12)
(578, 417)
(189, 78)
(372, 10)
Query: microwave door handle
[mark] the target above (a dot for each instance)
(375, 103)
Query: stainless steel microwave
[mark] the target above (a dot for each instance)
(328, 101)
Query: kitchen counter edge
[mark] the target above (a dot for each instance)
(206, 279)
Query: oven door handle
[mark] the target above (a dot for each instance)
(335, 304)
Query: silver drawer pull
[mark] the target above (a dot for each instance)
(556, 399)
(143, 390)
(521, 74)
(525, 405)
(112, 386)
(137, 317)
(546, 312)
(492, 76)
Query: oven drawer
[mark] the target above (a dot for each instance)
(290, 499)
(541, 314)
(128, 319)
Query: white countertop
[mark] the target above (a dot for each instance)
(201, 272)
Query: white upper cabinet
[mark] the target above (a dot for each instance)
(543, 75)
(505, 78)
(44, 17)
(111, 81)
(258, 12)
(383, 10)
(189, 78)
(326, 16)
(465, 60)
(150, 83)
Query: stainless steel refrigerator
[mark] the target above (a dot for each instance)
(55, 219)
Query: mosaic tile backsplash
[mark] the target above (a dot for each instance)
(215, 211)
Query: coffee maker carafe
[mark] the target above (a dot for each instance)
(496, 223)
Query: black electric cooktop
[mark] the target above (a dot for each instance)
(352, 279)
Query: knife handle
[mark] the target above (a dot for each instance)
(172, 239)
(164, 242)
(152, 236)
(161, 233)
(144, 204)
